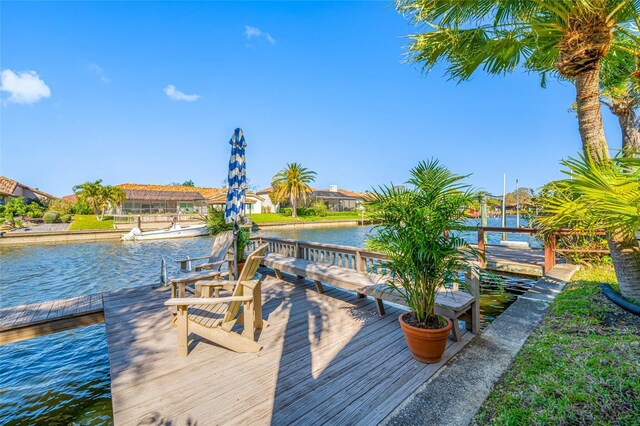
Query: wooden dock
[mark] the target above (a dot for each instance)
(28, 321)
(516, 261)
(326, 358)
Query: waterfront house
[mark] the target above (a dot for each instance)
(336, 199)
(148, 198)
(268, 206)
(10, 188)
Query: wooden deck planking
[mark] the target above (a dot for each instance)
(323, 353)
(232, 355)
(224, 357)
(38, 319)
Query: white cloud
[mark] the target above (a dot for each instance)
(99, 72)
(251, 32)
(25, 87)
(176, 95)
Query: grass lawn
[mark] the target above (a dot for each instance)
(582, 366)
(277, 217)
(89, 221)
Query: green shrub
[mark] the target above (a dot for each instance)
(61, 206)
(320, 208)
(1, 209)
(34, 210)
(306, 211)
(15, 207)
(65, 218)
(51, 217)
(216, 222)
(286, 211)
(81, 207)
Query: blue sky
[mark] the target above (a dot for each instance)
(151, 93)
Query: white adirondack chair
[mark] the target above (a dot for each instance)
(214, 317)
(218, 256)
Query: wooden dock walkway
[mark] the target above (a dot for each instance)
(28, 321)
(326, 358)
(526, 262)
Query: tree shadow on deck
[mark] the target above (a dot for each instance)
(335, 358)
(325, 358)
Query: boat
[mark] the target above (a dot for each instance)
(515, 244)
(176, 231)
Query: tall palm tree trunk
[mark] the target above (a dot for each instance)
(625, 256)
(594, 142)
(294, 206)
(625, 253)
(630, 135)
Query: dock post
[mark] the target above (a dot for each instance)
(483, 213)
(482, 247)
(549, 252)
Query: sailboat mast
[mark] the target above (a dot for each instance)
(504, 205)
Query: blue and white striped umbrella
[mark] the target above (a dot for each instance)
(237, 180)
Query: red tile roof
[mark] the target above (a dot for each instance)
(204, 192)
(7, 186)
(178, 192)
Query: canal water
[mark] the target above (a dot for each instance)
(63, 378)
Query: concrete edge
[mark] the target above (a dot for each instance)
(455, 394)
(21, 238)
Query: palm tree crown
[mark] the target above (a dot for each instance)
(91, 193)
(567, 38)
(292, 182)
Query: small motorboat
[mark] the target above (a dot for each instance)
(515, 244)
(175, 231)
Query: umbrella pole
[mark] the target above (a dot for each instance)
(236, 229)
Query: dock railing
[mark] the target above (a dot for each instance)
(363, 260)
(330, 254)
(550, 242)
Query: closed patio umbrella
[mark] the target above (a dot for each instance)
(237, 186)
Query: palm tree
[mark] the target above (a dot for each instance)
(92, 193)
(292, 182)
(620, 93)
(111, 196)
(566, 38)
(601, 195)
(623, 103)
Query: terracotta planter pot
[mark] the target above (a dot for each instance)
(240, 266)
(426, 344)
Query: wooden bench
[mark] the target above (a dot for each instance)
(451, 303)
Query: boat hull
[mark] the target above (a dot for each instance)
(163, 234)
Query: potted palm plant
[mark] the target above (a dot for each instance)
(244, 238)
(417, 232)
(216, 222)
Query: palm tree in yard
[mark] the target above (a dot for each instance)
(292, 183)
(92, 193)
(568, 39)
(111, 196)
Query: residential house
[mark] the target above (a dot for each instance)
(267, 205)
(10, 188)
(141, 198)
(253, 202)
(335, 198)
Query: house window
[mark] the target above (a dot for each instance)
(185, 207)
